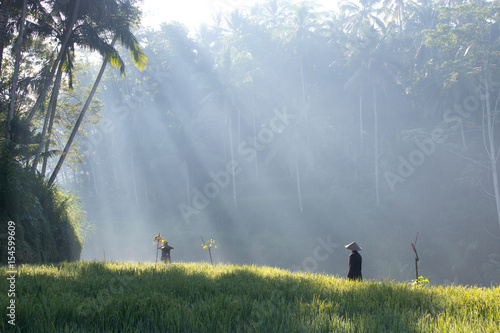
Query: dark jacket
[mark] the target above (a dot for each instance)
(354, 266)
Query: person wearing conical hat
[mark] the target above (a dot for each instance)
(354, 272)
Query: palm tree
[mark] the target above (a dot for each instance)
(51, 112)
(396, 9)
(4, 19)
(65, 42)
(359, 12)
(235, 73)
(300, 37)
(360, 58)
(123, 17)
(273, 13)
(16, 72)
(85, 30)
(61, 29)
(294, 143)
(376, 68)
(10, 12)
(422, 16)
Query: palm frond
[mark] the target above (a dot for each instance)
(89, 38)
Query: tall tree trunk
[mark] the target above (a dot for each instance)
(62, 51)
(231, 149)
(134, 183)
(492, 154)
(13, 92)
(303, 85)
(185, 171)
(361, 115)
(4, 19)
(34, 166)
(375, 119)
(52, 110)
(94, 181)
(462, 131)
(46, 85)
(299, 191)
(80, 118)
(255, 144)
(47, 124)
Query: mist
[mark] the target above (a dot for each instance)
(283, 133)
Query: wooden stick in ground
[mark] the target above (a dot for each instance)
(157, 246)
(416, 257)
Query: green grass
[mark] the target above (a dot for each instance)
(193, 297)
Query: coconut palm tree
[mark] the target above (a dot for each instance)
(272, 13)
(123, 16)
(364, 10)
(4, 19)
(397, 10)
(58, 24)
(376, 69)
(235, 73)
(13, 19)
(302, 32)
(10, 12)
(86, 29)
(16, 72)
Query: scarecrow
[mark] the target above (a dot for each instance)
(162, 245)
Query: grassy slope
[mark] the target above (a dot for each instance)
(191, 297)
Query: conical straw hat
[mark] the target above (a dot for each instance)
(353, 247)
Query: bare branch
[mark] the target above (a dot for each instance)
(484, 132)
(413, 245)
(494, 113)
(465, 157)
(486, 191)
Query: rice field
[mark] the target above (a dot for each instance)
(197, 297)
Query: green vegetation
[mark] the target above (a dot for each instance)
(208, 246)
(43, 106)
(192, 297)
(49, 224)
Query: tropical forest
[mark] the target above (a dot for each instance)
(280, 132)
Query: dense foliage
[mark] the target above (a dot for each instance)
(127, 297)
(46, 228)
(42, 104)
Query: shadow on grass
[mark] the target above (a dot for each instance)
(108, 297)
